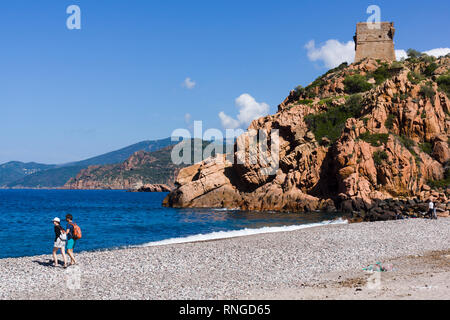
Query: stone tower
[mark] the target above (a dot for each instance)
(375, 43)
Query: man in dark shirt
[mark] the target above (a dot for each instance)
(70, 239)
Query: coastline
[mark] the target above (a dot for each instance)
(284, 265)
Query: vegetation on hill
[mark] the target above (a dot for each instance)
(328, 112)
(330, 123)
(51, 178)
(15, 170)
(20, 175)
(141, 168)
(444, 83)
(356, 83)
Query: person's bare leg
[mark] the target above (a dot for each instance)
(64, 256)
(72, 258)
(55, 259)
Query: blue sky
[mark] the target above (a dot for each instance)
(66, 95)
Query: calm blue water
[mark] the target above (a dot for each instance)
(111, 219)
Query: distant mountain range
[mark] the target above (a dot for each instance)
(140, 169)
(17, 174)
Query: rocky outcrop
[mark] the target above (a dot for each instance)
(392, 141)
(141, 170)
(153, 188)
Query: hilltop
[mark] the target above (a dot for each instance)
(365, 137)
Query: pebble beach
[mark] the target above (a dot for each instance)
(283, 265)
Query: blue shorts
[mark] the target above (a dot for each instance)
(70, 244)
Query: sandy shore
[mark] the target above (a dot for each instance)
(317, 263)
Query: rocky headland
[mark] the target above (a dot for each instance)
(143, 171)
(370, 138)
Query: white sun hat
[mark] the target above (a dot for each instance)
(57, 220)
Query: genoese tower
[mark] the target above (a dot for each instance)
(375, 40)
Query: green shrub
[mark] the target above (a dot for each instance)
(444, 83)
(381, 74)
(403, 96)
(396, 65)
(429, 70)
(427, 58)
(436, 184)
(423, 115)
(408, 144)
(379, 157)
(299, 90)
(353, 105)
(331, 122)
(355, 84)
(389, 123)
(427, 91)
(414, 54)
(342, 66)
(319, 82)
(326, 101)
(415, 78)
(375, 140)
(426, 147)
(305, 101)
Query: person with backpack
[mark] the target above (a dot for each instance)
(73, 234)
(60, 242)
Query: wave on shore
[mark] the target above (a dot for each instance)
(240, 233)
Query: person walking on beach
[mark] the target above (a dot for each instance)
(431, 208)
(434, 211)
(60, 242)
(73, 234)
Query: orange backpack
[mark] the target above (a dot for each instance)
(76, 231)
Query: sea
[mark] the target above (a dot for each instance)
(119, 219)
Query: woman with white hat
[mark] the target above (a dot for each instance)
(60, 242)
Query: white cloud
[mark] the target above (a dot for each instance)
(249, 110)
(401, 54)
(189, 83)
(332, 53)
(438, 52)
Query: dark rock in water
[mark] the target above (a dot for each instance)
(153, 188)
(347, 206)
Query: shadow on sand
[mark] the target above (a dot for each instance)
(48, 263)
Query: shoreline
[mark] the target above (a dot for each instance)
(213, 236)
(281, 265)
